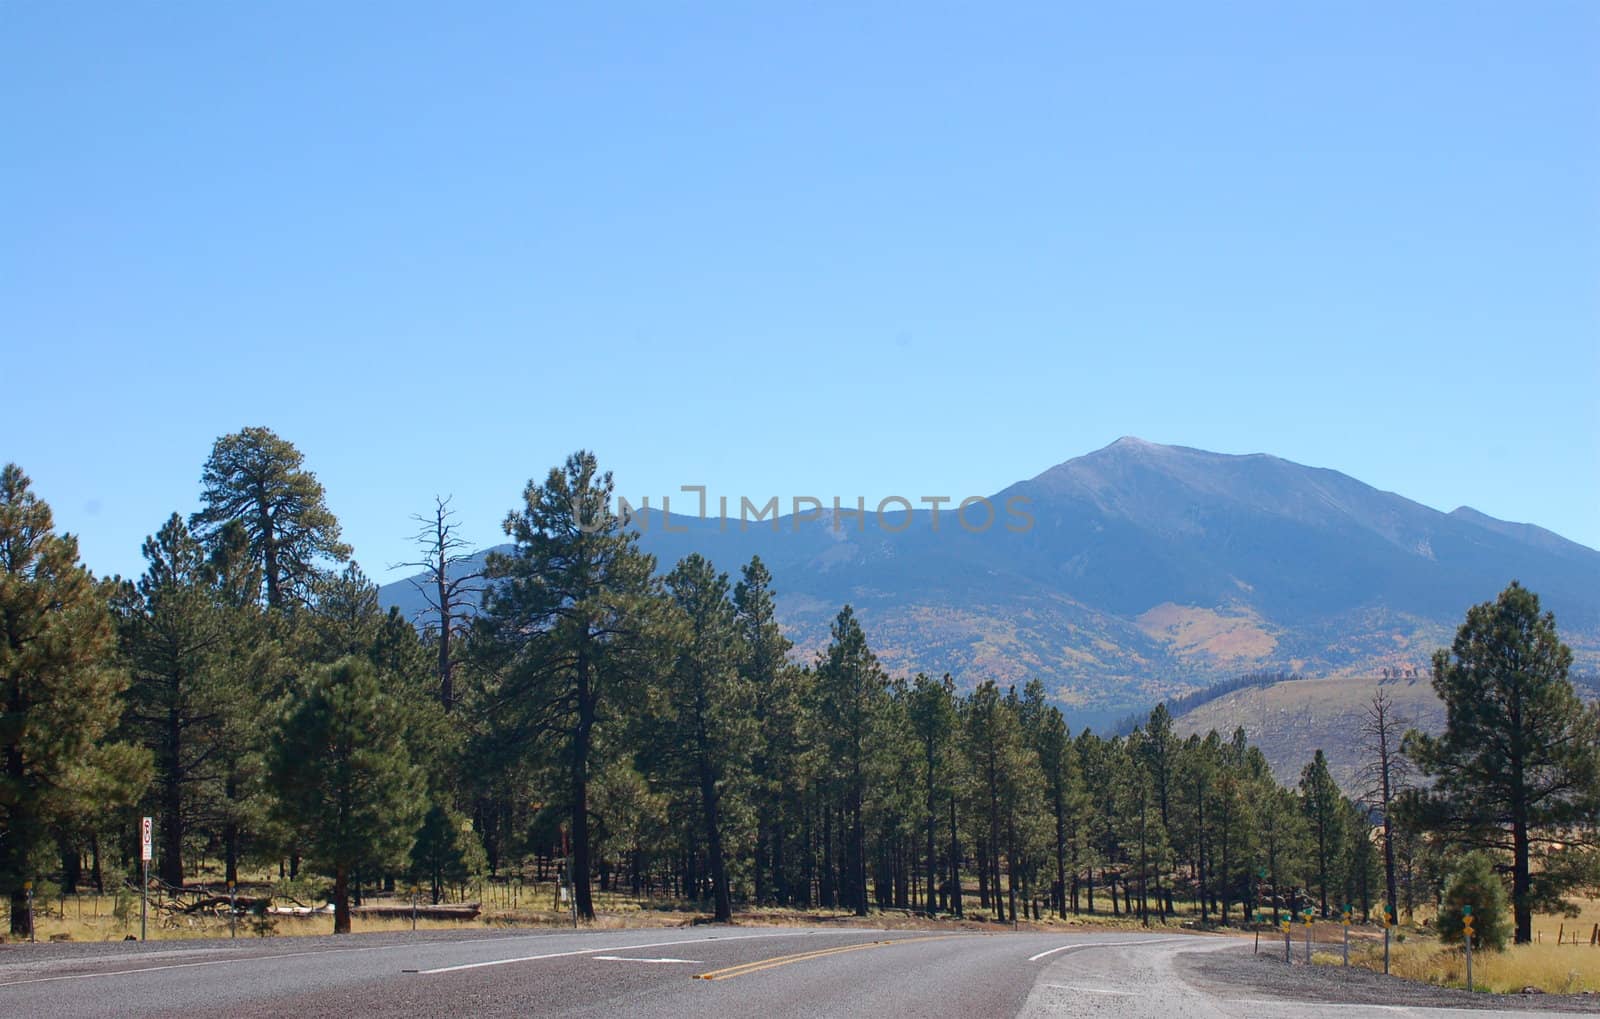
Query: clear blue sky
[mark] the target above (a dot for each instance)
(776, 249)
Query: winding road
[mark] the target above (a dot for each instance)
(766, 972)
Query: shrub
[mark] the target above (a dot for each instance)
(1475, 883)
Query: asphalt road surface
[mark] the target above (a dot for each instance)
(771, 973)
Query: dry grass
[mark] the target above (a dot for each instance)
(94, 918)
(1552, 968)
(90, 917)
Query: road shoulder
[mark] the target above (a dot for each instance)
(1238, 973)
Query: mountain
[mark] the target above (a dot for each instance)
(1142, 570)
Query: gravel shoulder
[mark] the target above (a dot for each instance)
(1228, 972)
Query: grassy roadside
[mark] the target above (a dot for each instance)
(1547, 966)
(107, 917)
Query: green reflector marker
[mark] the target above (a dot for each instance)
(1466, 910)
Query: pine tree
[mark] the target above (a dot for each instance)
(1361, 865)
(1096, 835)
(932, 717)
(258, 479)
(1139, 829)
(445, 851)
(259, 663)
(1517, 768)
(1323, 806)
(177, 636)
(59, 689)
(347, 787)
(1159, 756)
(780, 758)
(1198, 765)
(1474, 883)
(1282, 840)
(1233, 813)
(704, 707)
(576, 621)
(852, 693)
(1008, 780)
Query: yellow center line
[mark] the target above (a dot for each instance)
(740, 970)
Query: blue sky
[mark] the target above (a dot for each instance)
(794, 249)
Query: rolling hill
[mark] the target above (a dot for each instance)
(1291, 720)
(1147, 571)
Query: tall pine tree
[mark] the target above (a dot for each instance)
(59, 689)
(703, 707)
(259, 479)
(177, 635)
(575, 620)
(853, 694)
(1517, 769)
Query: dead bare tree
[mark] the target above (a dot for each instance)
(1385, 773)
(451, 584)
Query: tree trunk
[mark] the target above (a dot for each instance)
(994, 833)
(722, 901)
(983, 873)
(1520, 900)
(582, 898)
(955, 862)
(19, 915)
(21, 829)
(1011, 862)
(1200, 851)
(71, 865)
(931, 863)
(441, 577)
(230, 832)
(1388, 823)
(269, 564)
(1061, 859)
(827, 886)
(172, 805)
(341, 899)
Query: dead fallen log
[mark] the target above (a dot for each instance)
(424, 911)
(300, 910)
(245, 903)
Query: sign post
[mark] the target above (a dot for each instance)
(1308, 915)
(233, 910)
(1288, 926)
(146, 829)
(27, 888)
(1466, 939)
(1348, 910)
(414, 890)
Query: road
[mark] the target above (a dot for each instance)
(767, 972)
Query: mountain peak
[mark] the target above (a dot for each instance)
(1132, 442)
(1531, 534)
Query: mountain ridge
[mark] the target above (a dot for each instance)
(1150, 570)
